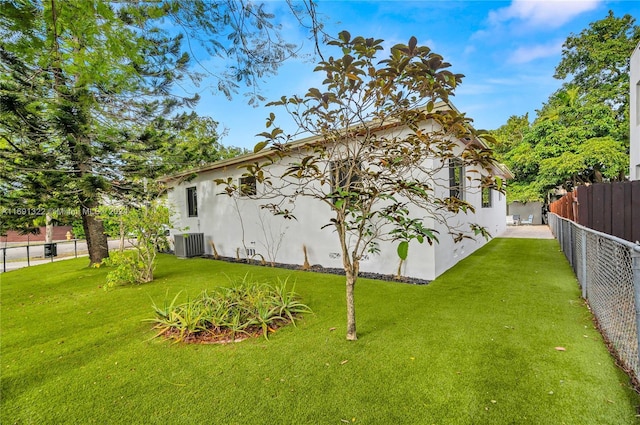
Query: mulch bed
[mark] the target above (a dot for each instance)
(220, 336)
(319, 269)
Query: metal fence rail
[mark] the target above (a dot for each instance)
(16, 256)
(608, 270)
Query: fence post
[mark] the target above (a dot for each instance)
(28, 259)
(635, 265)
(570, 228)
(4, 259)
(583, 253)
(561, 233)
(75, 247)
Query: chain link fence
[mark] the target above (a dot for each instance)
(608, 270)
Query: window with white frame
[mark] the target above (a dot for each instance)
(192, 202)
(345, 175)
(487, 194)
(456, 178)
(248, 186)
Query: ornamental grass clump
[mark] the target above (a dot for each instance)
(245, 309)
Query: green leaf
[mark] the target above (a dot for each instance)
(344, 36)
(430, 106)
(413, 42)
(403, 250)
(260, 146)
(498, 183)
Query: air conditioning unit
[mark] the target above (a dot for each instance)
(189, 245)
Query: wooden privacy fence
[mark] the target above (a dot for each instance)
(612, 208)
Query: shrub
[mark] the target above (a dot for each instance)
(146, 225)
(127, 269)
(244, 309)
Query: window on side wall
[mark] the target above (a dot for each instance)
(456, 178)
(486, 197)
(248, 186)
(345, 175)
(192, 201)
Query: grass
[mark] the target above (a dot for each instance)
(477, 346)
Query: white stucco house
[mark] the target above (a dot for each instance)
(634, 116)
(238, 227)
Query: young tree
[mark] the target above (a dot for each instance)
(145, 225)
(87, 71)
(385, 143)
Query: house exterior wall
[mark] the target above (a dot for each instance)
(634, 116)
(238, 224)
(448, 253)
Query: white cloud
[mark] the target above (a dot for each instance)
(516, 81)
(530, 53)
(474, 89)
(542, 13)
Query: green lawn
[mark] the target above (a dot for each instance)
(477, 346)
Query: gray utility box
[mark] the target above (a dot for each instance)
(189, 245)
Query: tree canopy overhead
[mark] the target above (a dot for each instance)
(88, 99)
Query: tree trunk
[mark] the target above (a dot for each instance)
(597, 176)
(48, 235)
(351, 307)
(122, 234)
(94, 232)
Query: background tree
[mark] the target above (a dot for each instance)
(511, 149)
(374, 165)
(597, 60)
(30, 180)
(79, 78)
(581, 134)
(166, 146)
(576, 140)
(573, 141)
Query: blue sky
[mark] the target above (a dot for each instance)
(507, 50)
